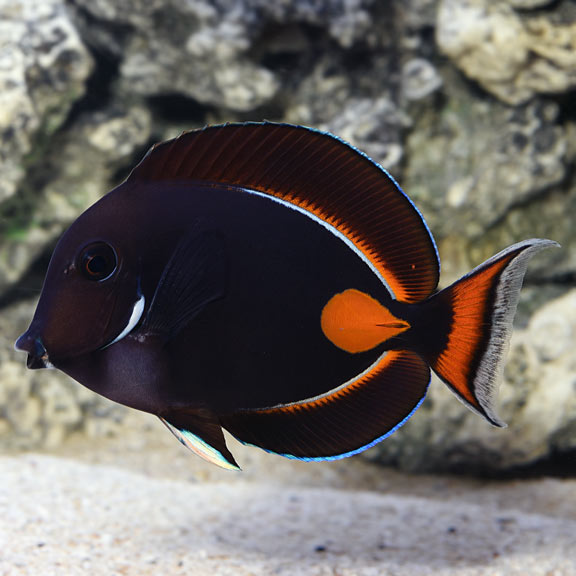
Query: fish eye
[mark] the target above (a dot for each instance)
(98, 261)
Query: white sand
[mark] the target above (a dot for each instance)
(64, 517)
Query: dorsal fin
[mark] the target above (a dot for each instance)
(316, 172)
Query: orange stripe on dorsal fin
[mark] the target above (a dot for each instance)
(316, 172)
(356, 322)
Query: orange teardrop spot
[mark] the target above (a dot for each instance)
(356, 322)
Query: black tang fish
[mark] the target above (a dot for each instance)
(273, 281)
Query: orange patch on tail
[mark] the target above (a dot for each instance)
(469, 303)
(356, 322)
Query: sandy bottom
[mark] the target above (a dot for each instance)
(137, 507)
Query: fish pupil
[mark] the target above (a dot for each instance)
(98, 261)
(96, 265)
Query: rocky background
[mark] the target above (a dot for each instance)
(471, 104)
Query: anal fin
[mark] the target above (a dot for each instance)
(199, 430)
(343, 422)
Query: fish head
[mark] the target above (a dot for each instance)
(91, 291)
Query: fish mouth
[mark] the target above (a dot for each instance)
(37, 353)
(37, 362)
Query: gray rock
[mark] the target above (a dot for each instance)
(342, 105)
(529, 4)
(419, 15)
(473, 161)
(43, 69)
(347, 21)
(420, 79)
(363, 122)
(78, 169)
(197, 49)
(548, 216)
(202, 49)
(512, 57)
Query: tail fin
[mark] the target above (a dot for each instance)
(476, 313)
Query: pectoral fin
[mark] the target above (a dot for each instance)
(195, 275)
(199, 430)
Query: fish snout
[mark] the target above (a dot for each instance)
(37, 354)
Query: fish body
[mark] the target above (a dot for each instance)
(273, 281)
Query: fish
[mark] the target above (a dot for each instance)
(273, 281)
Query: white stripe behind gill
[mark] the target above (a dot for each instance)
(134, 319)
